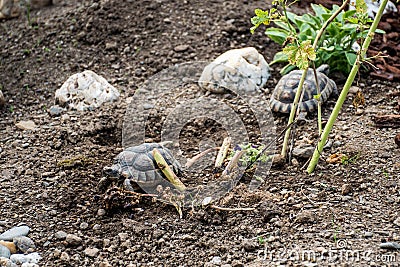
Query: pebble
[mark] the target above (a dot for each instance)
(24, 243)
(216, 260)
(91, 252)
(73, 240)
(14, 232)
(55, 110)
(96, 227)
(22, 258)
(64, 256)
(390, 245)
(368, 234)
(305, 217)
(101, 212)
(181, 48)
(26, 125)
(346, 189)
(29, 264)
(105, 264)
(84, 226)
(249, 245)
(397, 221)
(304, 152)
(61, 235)
(4, 252)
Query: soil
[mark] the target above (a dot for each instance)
(49, 176)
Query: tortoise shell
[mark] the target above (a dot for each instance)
(285, 91)
(138, 164)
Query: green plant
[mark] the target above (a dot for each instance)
(336, 43)
(252, 154)
(342, 97)
(346, 160)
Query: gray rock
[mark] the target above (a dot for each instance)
(73, 240)
(91, 252)
(61, 235)
(24, 243)
(9, 9)
(4, 252)
(84, 226)
(390, 245)
(303, 152)
(86, 91)
(242, 70)
(14, 232)
(55, 110)
(22, 258)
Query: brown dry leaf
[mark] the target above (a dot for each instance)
(335, 158)
(358, 99)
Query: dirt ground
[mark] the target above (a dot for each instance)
(49, 176)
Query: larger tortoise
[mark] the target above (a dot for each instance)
(137, 164)
(285, 91)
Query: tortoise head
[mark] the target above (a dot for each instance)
(111, 171)
(324, 68)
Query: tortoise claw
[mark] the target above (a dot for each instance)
(301, 119)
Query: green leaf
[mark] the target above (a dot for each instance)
(277, 35)
(318, 9)
(288, 68)
(380, 31)
(351, 58)
(279, 57)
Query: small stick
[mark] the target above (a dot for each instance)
(169, 173)
(223, 151)
(233, 162)
(231, 209)
(191, 161)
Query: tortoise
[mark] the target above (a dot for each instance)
(285, 91)
(137, 164)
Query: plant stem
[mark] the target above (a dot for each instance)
(293, 112)
(343, 94)
(318, 102)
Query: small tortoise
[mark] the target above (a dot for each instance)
(137, 164)
(285, 91)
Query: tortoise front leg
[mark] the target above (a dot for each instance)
(127, 185)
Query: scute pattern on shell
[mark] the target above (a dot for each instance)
(285, 91)
(137, 163)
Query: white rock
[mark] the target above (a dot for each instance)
(15, 232)
(7, 262)
(91, 252)
(238, 70)
(22, 258)
(86, 90)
